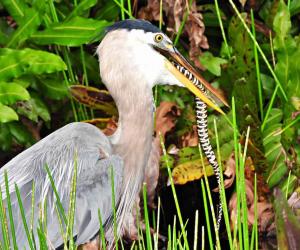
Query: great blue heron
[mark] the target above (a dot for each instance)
(134, 56)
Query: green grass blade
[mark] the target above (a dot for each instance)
(72, 206)
(4, 223)
(222, 28)
(146, 216)
(114, 208)
(174, 195)
(222, 190)
(259, 85)
(254, 236)
(123, 9)
(202, 238)
(210, 202)
(211, 245)
(102, 234)
(196, 230)
(58, 201)
(244, 195)
(129, 7)
(185, 16)
(30, 242)
(11, 220)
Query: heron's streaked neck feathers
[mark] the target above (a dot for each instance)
(132, 141)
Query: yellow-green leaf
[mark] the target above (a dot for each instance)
(7, 114)
(14, 63)
(12, 92)
(190, 171)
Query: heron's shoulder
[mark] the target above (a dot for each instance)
(79, 132)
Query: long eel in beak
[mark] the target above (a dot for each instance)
(205, 95)
(203, 90)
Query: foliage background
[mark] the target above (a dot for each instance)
(249, 49)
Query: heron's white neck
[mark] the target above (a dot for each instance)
(132, 141)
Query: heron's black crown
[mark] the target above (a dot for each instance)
(132, 24)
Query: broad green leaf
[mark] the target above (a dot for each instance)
(21, 134)
(109, 11)
(91, 64)
(268, 84)
(28, 26)
(212, 63)
(14, 63)
(239, 80)
(74, 32)
(81, 8)
(5, 137)
(287, 51)
(294, 7)
(7, 114)
(54, 88)
(16, 8)
(33, 109)
(274, 151)
(12, 92)
(282, 26)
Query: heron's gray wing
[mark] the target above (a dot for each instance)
(94, 193)
(76, 143)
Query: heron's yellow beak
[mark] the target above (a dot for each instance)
(172, 55)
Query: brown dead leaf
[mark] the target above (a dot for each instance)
(190, 139)
(229, 171)
(92, 245)
(110, 127)
(166, 116)
(294, 201)
(174, 11)
(151, 11)
(195, 29)
(265, 213)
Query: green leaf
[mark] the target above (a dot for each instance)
(287, 51)
(28, 26)
(282, 25)
(74, 32)
(239, 80)
(294, 7)
(16, 8)
(21, 134)
(109, 11)
(33, 109)
(81, 8)
(12, 92)
(274, 151)
(14, 63)
(7, 114)
(212, 63)
(54, 88)
(5, 137)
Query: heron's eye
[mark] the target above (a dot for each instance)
(158, 38)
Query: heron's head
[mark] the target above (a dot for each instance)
(138, 53)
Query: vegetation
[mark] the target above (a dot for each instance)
(253, 56)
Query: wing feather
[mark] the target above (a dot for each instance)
(76, 143)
